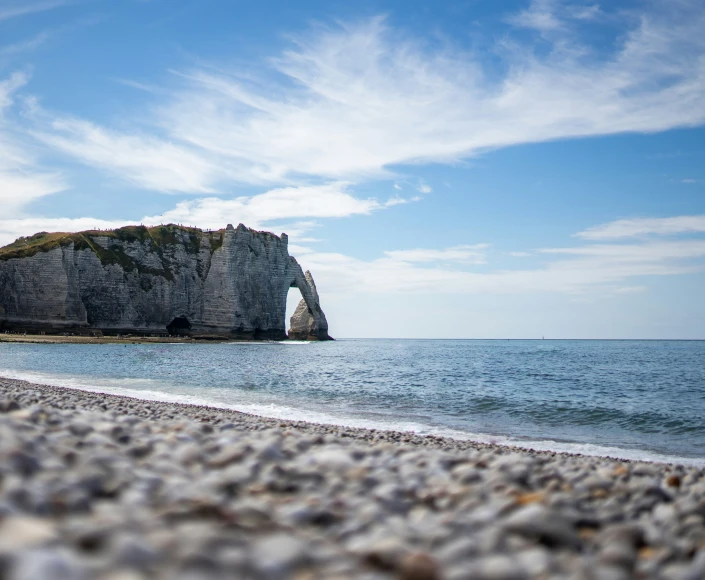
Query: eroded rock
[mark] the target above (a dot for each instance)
(308, 321)
(230, 283)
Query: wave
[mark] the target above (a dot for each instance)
(152, 390)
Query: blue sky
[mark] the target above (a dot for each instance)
(469, 170)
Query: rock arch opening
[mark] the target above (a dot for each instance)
(180, 326)
(293, 298)
(308, 321)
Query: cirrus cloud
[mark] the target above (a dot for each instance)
(629, 228)
(21, 180)
(363, 101)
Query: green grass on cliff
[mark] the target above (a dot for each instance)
(160, 236)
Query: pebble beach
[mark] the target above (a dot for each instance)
(96, 486)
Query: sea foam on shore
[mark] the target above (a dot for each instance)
(107, 487)
(151, 390)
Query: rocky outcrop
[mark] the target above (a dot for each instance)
(229, 283)
(308, 321)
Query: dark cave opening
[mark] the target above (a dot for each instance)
(180, 325)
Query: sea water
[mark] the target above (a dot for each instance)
(631, 399)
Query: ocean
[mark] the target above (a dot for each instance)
(629, 399)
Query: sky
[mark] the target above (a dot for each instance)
(456, 169)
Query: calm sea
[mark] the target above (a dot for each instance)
(633, 399)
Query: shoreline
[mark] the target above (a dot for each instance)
(107, 486)
(359, 431)
(454, 438)
(221, 414)
(137, 339)
(117, 339)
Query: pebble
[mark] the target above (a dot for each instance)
(419, 566)
(47, 564)
(98, 487)
(546, 526)
(278, 556)
(496, 567)
(22, 532)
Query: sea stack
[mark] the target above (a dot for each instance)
(229, 283)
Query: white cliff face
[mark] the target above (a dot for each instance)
(308, 322)
(232, 283)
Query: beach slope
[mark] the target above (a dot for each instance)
(108, 487)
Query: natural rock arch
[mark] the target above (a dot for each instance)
(308, 321)
(230, 283)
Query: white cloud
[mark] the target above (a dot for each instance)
(20, 180)
(424, 187)
(519, 254)
(630, 290)
(540, 15)
(554, 16)
(397, 200)
(14, 9)
(7, 88)
(24, 46)
(351, 102)
(366, 99)
(588, 269)
(11, 229)
(298, 250)
(639, 251)
(18, 187)
(586, 12)
(272, 210)
(315, 201)
(144, 160)
(628, 228)
(467, 254)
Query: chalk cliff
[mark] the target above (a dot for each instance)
(308, 322)
(229, 283)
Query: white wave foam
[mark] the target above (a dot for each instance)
(151, 391)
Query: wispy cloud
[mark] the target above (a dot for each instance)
(424, 187)
(352, 102)
(290, 209)
(629, 228)
(25, 45)
(630, 290)
(552, 16)
(11, 229)
(586, 270)
(317, 201)
(590, 270)
(14, 9)
(21, 180)
(142, 159)
(640, 252)
(540, 15)
(467, 254)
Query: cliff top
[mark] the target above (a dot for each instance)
(161, 236)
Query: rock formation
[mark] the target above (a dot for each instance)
(308, 321)
(230, 283)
